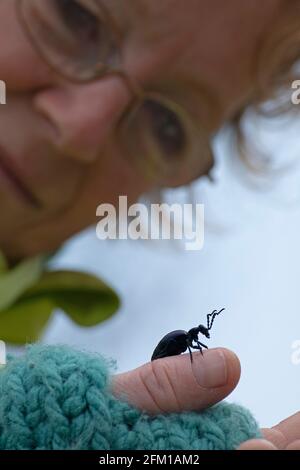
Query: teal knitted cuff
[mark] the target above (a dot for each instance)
(59, 398)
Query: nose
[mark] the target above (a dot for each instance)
(83, 115)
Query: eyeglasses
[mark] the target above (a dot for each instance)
(81, 42)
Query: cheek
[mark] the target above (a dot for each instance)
(103, 182)
(113, 176)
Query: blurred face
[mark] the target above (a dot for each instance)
(61, 154)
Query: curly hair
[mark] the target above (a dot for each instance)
(276, 68)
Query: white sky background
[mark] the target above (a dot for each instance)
(250, 264)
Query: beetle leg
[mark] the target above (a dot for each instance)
(191, 355)
(198, 347)
(202, 345)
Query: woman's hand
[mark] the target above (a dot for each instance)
(173, 384)
(284, 436)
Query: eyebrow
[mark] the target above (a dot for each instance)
(140, 7)
(145, 9)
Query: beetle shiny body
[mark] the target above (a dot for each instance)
(178, 341)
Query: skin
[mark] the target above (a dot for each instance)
(284, 436)
(61, 139)
(170, 385)
(61, 136)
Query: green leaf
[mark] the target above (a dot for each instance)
(29, 295)
(85, 298)
(17, 280)
(25, 321)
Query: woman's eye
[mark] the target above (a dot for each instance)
(167, 129)
(79, 20)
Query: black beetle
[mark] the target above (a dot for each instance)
(179, 341)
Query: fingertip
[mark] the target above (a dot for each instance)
(174, 384)
(257, 444)
(275, 436)
(233, 367)
(294, 446)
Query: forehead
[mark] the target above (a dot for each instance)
(205, 27)
(170, 13)
(152, 17)
(211, 43)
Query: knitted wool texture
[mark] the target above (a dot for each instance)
(59, 398)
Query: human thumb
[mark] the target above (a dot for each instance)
(175, 384)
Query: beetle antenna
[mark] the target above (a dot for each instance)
(211, 318)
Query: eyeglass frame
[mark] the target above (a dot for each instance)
(139, 95)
